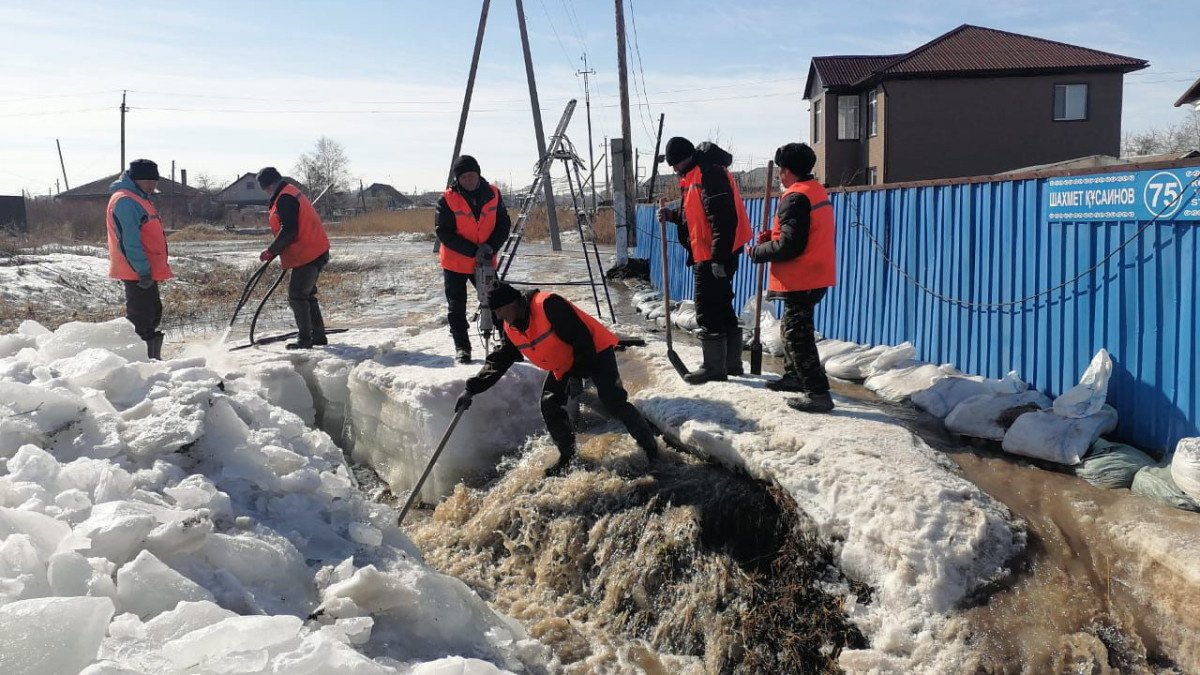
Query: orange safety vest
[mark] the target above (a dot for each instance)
(700, 231)
(542, 346)
(154, 241)
(474, 231)
(816, 266)
(311, 240)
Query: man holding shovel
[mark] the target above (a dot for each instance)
(800, 250)
(713, 227)
(556, 336)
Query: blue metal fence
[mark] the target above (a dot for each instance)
(975, 274)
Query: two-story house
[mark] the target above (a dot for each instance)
(975, 101)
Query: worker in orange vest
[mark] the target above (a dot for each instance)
(471, 223)
(137, 250)
(302, 247)
(556, 336)
(800, 250)
(713, 228)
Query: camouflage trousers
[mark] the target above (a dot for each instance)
(799, 342)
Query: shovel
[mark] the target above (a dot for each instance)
(666, 291)
(412, 496)
(756, 343)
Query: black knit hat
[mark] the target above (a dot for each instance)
(268, 176)
(465, 164)
(143, 169)
(502, 295)
(797, 158)
(678, 149)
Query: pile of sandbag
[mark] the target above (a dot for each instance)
(896, 374)
(1176, 482)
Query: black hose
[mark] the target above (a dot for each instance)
(248, 290)
(263, 303)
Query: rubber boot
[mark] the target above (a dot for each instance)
(713, 368)
(812, 403)
(565, 455)
(462, 347)
(733, 352)
(303, 326)
(318, 325)
(154, 346)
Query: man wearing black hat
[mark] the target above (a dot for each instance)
(556, 336)
(302, 247)
(713, 228)
(800, 249)
(471, 223)
(137, 250)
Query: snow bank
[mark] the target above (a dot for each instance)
(905, 522)
(163, 517)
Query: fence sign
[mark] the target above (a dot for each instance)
(1170, 194)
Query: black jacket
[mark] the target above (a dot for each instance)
(565, 323)
(719, 204)
(795, 221)
(446, 227)
(288, 209)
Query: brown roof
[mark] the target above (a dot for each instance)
(969, 51)
(99, 188)
(1192, 95)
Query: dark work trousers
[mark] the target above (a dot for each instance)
(143, 308)
(714, 297)
(799, 343)
(456, 307)
(302, 296)
(612, 394)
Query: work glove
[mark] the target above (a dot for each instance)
(145, 283)
(718, 271)
(574, 387)
(463, 402)
(764, 236)
(484, 252)
(266, 256)
(667, 215)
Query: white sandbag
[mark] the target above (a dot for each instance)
(1112, 465)
(770, 336)
(1155, 482)
(1185, 466)
(1089, 395)
(685, 316)
(646, 294)
(853, 364)
(990, 415)
(902, 355)
(1054, 438)
(899, 384)
(827, 349)
(947, 392)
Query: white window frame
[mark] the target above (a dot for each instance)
(849, 119)
(873, 113)
(816, 135)
(872, 175)
(1069, 113)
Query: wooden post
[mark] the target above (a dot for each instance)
(124, 109)
(587, 102)
(63, 164)
(551, 212)
(624, 221)
(466, 107)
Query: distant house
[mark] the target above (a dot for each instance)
(245, 191)
(1191, 96)
(382, 196)
(175, 201)
(975, 101)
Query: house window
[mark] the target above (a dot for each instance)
(872, 124)
(872, 176)
(816, 134)
(847, 118)
(1070, 102)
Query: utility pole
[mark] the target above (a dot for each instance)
(172, 171)
(607, 175)
(587, 102)
(62, 164)
(626, 212)
(466, 107)
(124, 109)
(551, 212)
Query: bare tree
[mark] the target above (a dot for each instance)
(327, 165)
(205, 182)
(1179, 137)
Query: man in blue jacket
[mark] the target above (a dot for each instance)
(137, 250)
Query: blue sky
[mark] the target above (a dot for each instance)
(227, 87)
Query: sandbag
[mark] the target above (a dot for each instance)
(852, 365)
(1112, 465)
(769, 329)
(947, 392)
(903, 355)
(1185, 466)
(1155, 482)
(685, 316)
(827, 349)
(989, 416)
(1087, 397)
(1054, 438)
(647, 294)
(898, 384)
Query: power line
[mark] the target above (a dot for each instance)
(645, 97)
